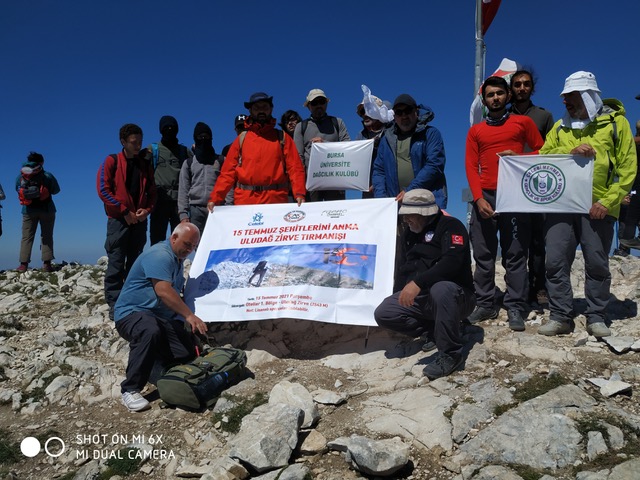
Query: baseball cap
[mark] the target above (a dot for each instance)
(313, 94)
(418, 201)
(239, 120)
(580, 82)
(258, 97)
(405, 99)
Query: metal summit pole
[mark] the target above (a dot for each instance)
(480, 50)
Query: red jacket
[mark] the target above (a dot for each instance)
(111, 184)
(261, 178)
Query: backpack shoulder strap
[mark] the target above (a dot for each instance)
(154, 150)
(303, 127)
(281, 139)
(336, 126)
(240, 142)
(115, 160)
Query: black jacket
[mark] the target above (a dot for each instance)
(440, 252)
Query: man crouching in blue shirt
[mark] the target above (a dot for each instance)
(151, 316)
(435, 280)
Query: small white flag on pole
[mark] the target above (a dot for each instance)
(544, 184)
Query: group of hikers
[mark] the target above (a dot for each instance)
(434, 287)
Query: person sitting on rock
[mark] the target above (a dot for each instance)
(438, 285)
(151, 316)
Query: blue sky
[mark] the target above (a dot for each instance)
(74, 72)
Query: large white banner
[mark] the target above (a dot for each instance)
(544, 183)
(340, 165)
(326, 261)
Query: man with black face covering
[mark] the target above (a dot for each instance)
(197, 178)
(168, 157)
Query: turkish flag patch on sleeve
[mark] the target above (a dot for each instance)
(457, 240)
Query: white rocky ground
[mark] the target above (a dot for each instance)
(336, 410)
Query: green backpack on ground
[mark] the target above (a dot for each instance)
(198, 384)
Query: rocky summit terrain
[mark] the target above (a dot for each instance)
(323, 401)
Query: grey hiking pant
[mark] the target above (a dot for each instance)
(563, 233)
(441, 311)
(515, 236)
(30, 223)
(198, 215)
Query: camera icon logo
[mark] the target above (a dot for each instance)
(54, 447)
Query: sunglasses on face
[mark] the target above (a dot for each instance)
(318, 101)
(404, 111)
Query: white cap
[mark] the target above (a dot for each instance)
(580, 82)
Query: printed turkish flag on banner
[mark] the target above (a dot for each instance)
(489, 10)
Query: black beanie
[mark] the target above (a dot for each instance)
(168, 121)
(201, 128)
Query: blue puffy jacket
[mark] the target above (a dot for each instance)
(427, 158)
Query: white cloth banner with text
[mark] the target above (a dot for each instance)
(544, 184)
(340, 165)
(325, 261)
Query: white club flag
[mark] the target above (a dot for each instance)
(340, 165)
(544, 184)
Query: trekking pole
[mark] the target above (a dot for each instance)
(366, 338)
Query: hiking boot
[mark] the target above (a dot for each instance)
(598, 329)
(542, 297)
(621, 252)
(482, 313)
(46, 267)
(428, 343)
(135, 402)
(23, 267)
(516, 322)
(553, 327)
(630, 243)
(442, 366)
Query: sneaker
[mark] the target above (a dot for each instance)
(630, 243)
(22, 267)
(482, 313)
(598, 329)
(442, 366)
(428, 343)
(46, 267)
(553, 327)
(134, 401)
(516, 322)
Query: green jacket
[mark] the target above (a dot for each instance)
(615, 165)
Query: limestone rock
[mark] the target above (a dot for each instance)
(267, 436)
(373, 457)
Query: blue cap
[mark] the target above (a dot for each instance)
(258, 97)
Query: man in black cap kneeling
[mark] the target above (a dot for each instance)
(438, 285)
